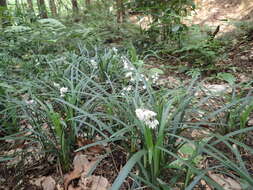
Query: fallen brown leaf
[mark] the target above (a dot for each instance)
(82, 166)
(48, 183)
(80, 161)
(94, 183)
(69, 177)
(226, 182)
(97, 149)
(250, 122)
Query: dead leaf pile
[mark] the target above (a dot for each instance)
(97, 149)
(46, 183)
(82, 167)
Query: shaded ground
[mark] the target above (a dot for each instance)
(238, 56)
(216, 12)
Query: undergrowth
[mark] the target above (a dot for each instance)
(60, 82)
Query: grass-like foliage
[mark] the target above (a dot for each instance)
(53, 91)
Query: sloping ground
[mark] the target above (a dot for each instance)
(228, 14)
(222, 12)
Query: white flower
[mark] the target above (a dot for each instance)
(143, 78)
(148, 117)
(142, 114)
(128, 88)
(56, 85)
(115, 49)
(127, 65)
(63, 90)
(94, 63)
(129, 68)
(29, 102)
(155, 77)
(153, 124)
(129, 74)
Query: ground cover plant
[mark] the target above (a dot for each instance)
(90, 99)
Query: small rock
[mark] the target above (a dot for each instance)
(244, 58)
(226, 182)
(217, 88)
(250, 122)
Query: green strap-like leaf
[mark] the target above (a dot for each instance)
(126, 169)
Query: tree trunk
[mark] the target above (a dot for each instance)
(42, 8)
(61, 3)
(74, 6)
(120, 11)
(87, 3)
(53, 7)
(18, 8)
(4, 15)
(30, 5)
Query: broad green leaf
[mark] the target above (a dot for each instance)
(228, 77)
(156, 70)
(187, 149)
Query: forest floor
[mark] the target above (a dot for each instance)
(226, 14)
(239, 62)
(239, 54)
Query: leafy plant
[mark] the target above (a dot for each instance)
(166, 17)
(238, 115)
(238, 106)
(151, 129)
(197, 48)
(59, 83)
(231, 163)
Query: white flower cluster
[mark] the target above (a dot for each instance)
(126, 89)
(115, 50)
(132, 74)
(129, 68)
(63, 90)
(30, 102)
(148, 117)
(155, 78)
(94, 63)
